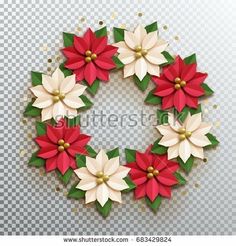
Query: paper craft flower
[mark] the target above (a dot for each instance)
(153, 175)
(141, 52)
(59, 146)
(185, 139)
(179, 85)
(102, 178)
(58, 96)
(90, 57)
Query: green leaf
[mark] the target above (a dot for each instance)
(68, 39)
(66, 177)
(142, 84)
(119, 34)
(76, 193)
(130, 155)
(36, 78)
(152, 99)
(36, 161)
(117, 61)
(101, 32)
(181, 116)
(162, 116)
(72, 122)
(40, 128)
(80, 160)
(196, 110)
(87, 102)
(213, 140)
(190, 59)
(180, 178)
(152, 27)
(92, 89)
(170, 59)
(91, 151)
(66, 71)
(113, 153)
(31, 110)
(130, 184)
(155, 204)
(207, 90)
(186, 166)
(158, 149)
(104, 211)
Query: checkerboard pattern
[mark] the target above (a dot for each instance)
(35, 203)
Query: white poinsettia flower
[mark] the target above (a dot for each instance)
(140, 52)
(102, 178)
(58, 96)
(185, 139)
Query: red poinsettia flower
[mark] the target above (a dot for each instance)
(153, 175)
(90, 57)
(59, 146)
(179, 85)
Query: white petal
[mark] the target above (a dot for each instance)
(165, 130)
(43, 102)
(77, 90)
(90, 195)
(122, 47)
(102, 158)
(58, 76)
(121, 172)
(140, 32)
(199, 140)
(117, 183)
(49, 84)
(129, 69)
(203, 129)
(39, 91)
(70, 112)
(141, 68)
(58, 111)
(173, 151)
(155, 58)
(153, 69)
(73, 101)
(67, 84)
(93, 165)
(83, 173)
(115, 195)
(197, 151)
(150, 40)
(159, 47)
(193, 122)
(111, 166)
(131, 40)
(87, 184)
(184, 150)
(102, 194)
(169, 140)
(47, 113)
(127, 58)
(174, 123)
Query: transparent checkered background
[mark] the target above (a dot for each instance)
(34, 203)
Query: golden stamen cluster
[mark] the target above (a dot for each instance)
(101, 177)
(57, 96)
(183, 134)
(139, 52)
(62, 145)
(179, 83)
(90, 56)
(152, 172)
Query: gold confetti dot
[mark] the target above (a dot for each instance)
(205, 159)
(197, 185)
(49, 69)
(22, 152)
(82, 19)
(184, 192)
(100, 23)
(49, 60)
(122, 26)
(215, 106)
(74, 210)
(176, 38)
(65, 193)
(42, 172)
(79, 29)
(206, 101)
(57, 189)
(24, 121)
(140, 14)
(195, 164)
(143, 208)
(165, 27)
(58, 58)
(30, 135)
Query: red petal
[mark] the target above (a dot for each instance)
(80, 45)
(105, 63)
(148, 150)
(192, 102)
(72, 162)
(90, 73)
(51, 164)
(55, 133)
(139, 180)
(165, 190)
(99, 45)
(71, 134)
(102, 74)
(74, 149)
(172, 166)
(179, 100)
(198, 79)
(132, 165)
(193, 90)
(166, 178)
(152, 189)
(43, 141)
(188, 72)
(160, 80)
(173, 71)
(79, 73)
(75, 63)
(143, 160)
(109, 51)
(140, 191)
(63, 162)
(160, 162)
(81, 140)
(168, 101)
(47, 152)
(89, 37)
(164, 90)
(70, 52)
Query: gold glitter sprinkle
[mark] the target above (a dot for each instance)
(74, 210)
(122, 26)
(113, 16)
(57, 189)
(42, 172)
(22, 152)
(184, 192)
(206, 101)
(197, 185)
(58, 58)
(30, 135)
(100, 23)
(205, 159)
(215, 106)
(24, 121)
(140, 14)
(49, 60)
(82, 19)
(176, 38)
(65, 193)
(79, 29)
(165, 27)
(195, 164)
(143, 208)
(49, 69)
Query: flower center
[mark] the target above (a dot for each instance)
(139, 52)
(89, 56)
(151, 172)
(183, 134)
(62, 145)
(57, 96)
(179, 83)
(101, 177)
